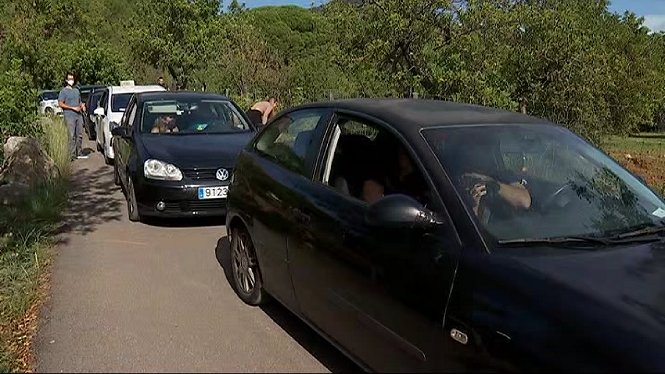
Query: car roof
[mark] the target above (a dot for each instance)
(134, 89)
(160, 95)
(406, 114)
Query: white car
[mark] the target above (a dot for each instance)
(112, 105)
(48, 103)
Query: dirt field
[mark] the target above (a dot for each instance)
(643, 154)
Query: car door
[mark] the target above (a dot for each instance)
(379, 293)
(125, 147)
(94, 103)
(280, 165)
(103, 101)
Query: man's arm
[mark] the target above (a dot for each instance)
(513, 192)
(516, 194)
(264, 117)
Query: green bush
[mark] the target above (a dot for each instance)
(18, 105)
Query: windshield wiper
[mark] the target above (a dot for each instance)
(558, 240)
(649, 230)
(641, 235)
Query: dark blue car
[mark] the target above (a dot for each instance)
(176, 152)
(429, 236)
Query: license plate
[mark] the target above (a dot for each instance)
(213, 192)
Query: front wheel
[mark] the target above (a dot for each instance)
(245, 267)
(132, 205)
(116, 175)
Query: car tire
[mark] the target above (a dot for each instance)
(107, 160)
(91, 133)
(116, 175)
(246, 274)
(132, 205)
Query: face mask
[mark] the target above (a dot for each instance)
(70, 82)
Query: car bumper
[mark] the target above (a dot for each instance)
(180, 200)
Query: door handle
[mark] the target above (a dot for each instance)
(301, 216)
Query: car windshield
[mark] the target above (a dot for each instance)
(551, 183)
(119, 101)
(192, 116)
(50, 95)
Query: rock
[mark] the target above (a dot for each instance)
(26, 162)
(12, 145)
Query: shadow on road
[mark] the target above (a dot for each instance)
(92, 201)
(317, 346)
(185, 222)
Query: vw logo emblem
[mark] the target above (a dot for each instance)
(222, 174)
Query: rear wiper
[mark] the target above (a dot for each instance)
(557, 240)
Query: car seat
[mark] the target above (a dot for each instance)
(302, 142)
(352, 164)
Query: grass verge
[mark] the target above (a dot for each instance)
(26, 236)
(642, 154)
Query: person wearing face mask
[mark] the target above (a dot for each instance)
(69, 100)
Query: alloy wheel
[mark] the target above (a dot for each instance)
(243, 265)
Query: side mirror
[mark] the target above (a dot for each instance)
(119, 130)
(99, 111)
(400, 211)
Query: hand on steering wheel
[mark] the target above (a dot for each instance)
(477, 192)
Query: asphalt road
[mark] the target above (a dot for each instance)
(137, 297)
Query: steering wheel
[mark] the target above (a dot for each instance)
(558, 198)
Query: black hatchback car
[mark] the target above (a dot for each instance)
(176, 153)
(429, 236)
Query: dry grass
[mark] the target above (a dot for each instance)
(56, 141)
(27, 232)
(642, 154)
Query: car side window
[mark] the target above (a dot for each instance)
(288, 138)
(366, 161)
(104, 100)
(132, 116)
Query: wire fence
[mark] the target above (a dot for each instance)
(294, 97)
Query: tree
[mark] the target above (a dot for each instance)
(174, 35)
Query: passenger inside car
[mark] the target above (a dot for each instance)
(402, 178)
(369, 163)
(164, 124)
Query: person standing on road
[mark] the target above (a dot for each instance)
(69, 100)
(260, 112)
(160, 82)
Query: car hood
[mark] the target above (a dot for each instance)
(631, 279)
(196, 150)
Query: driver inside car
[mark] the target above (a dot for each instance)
(477, 172)
(164, 124)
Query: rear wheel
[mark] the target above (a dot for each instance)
(247, 280)
(132, 205)
(107, 160)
